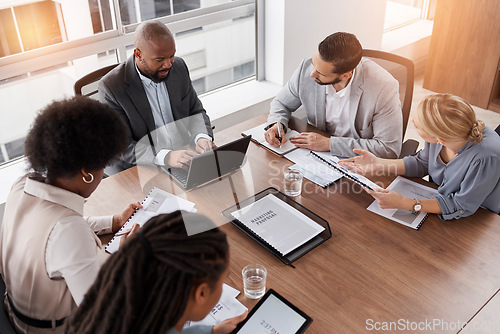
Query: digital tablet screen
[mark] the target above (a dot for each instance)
(274, 314)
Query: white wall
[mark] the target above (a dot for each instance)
(294, 28)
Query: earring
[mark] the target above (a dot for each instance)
(91, 179)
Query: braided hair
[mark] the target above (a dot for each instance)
(145, 286)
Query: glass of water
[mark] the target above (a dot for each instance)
(293, 182)
(254, 280)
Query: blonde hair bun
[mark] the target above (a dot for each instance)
(476, 134)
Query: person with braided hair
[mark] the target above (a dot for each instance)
(461, 155)
(158, 280)
(49, 253)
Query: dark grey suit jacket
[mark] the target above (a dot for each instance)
(122, 89)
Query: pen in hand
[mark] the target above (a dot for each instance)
(119, 234)
(279, 132)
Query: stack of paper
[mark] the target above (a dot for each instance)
(227, 307)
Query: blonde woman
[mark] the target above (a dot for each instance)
(461, 155)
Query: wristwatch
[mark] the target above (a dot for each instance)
(418, 206)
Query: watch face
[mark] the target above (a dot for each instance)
(417, 207)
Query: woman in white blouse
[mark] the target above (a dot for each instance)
(49, 253)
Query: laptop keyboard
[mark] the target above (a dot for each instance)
(180, 174)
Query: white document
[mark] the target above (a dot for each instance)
(157, 202)
(409, 189)
(279, 224)
(258, 136)
(320, 172)
(227, 307)
(311, 168)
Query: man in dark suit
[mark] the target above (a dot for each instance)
(153, 93)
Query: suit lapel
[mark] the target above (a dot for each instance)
(355, 96)
(137, 95)
(174, 93)
(320, 114)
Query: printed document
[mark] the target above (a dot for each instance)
(409, 189)
(227, 307)
(157, 202)
(279, 224)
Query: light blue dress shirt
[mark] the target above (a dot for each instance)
(469, 181)
(159, 101)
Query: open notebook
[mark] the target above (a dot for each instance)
(257, 134)
(156, 202)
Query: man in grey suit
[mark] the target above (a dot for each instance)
(353, 99)
(153, 93)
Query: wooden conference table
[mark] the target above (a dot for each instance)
(372, 271)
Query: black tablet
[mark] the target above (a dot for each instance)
(273, 313)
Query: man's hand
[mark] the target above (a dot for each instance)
(179, 158)
(119, 220)
(228, 325)
(203, 145)
(312, 141)
(272, 135)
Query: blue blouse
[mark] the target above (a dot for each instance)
(470, 180)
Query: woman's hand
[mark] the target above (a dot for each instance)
(228, 325)
(364, 163)
(119, 220)
(389, 199)
(128, 235)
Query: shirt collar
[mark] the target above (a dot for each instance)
(342, 92)
(145, 80)
(37, 187)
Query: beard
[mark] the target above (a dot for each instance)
(319, 82)
(156, 76)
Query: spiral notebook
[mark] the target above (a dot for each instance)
(409, 189)
(156, 202)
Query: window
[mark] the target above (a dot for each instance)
(216, 38)
(399, 13)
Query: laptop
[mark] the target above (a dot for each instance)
(210, 165)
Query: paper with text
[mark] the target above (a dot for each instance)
(279, 224)
(157, 202)
(227, 307)
(409, 189)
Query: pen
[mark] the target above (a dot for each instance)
(279, 132)
(119, 234)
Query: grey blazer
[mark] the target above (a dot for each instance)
(122, 89)
(376, 119)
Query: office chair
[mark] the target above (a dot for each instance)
(87, 85)
(402, 69)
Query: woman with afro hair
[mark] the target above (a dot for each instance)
(49, 253)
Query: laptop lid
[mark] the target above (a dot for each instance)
(217, 162)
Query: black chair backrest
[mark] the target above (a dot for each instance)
(87, 85)
(498, 130)
(403, 70)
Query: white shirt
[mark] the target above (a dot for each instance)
(71, 251)
(159, 100)
(337, 110)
